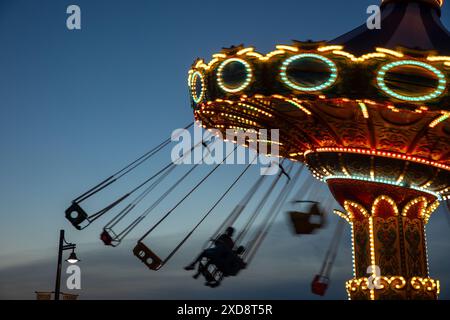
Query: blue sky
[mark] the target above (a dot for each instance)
(77, 105)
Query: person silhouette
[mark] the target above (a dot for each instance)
(223, 246)
(226, 239)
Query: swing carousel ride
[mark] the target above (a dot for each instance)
(366, 113)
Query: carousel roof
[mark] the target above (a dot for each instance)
(413, 24)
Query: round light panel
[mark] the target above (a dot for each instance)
(308, 72)
(234, 75)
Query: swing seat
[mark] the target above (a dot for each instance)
(205, 272)
(214, 278)
(302, 220)
(76, 215)
(319, 285)
(106, 238)
(148, 257)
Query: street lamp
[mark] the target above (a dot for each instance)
(63, 245)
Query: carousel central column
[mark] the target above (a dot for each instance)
(389, 242)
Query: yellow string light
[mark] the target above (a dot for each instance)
(445, 115)
(245, 105)
(359, 59)
(429, 211)
(255, 54)
(353, 249)
(438, 58)
(382, 154)
(427, 283)
(286, 48)
(299, 106)
(399, 282)
(387, 199)
(413, 202)
(348, 205)
(336, 49)
(245, 51)
(343, 215)
(364, 111)
(372, 254)
(232, 116)
(272, 54)
(330, 48)
(390, 52)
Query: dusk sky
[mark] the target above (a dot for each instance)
(75, 106)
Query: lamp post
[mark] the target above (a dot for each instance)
(63, 245)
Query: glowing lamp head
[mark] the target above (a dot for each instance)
(73, 258)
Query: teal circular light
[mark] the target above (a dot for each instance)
(234, 75)
(330, 79)
(197, 86)
(440, 88)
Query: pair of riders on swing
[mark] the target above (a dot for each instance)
(222, 255)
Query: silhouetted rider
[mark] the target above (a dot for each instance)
(223, 246)
(226, 239)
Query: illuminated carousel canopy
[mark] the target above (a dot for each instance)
(379, 115)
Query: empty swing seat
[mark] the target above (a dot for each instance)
(76, 215)
(147, 256)
(319, 285)
(302, 221)
(106, 238)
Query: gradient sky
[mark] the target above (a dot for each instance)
(77, 105)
